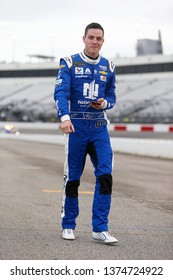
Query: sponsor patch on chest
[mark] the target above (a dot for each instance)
(79, 70)
(103, 78)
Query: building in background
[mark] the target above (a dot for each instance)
(149, 46)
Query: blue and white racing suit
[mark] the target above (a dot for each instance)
(81, 80)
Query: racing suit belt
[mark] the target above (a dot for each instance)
(87, 115)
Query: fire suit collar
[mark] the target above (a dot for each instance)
(89, 60)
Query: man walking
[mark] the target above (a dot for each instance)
(84, 90)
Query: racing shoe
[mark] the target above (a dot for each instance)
(104, 236)
(67, 233)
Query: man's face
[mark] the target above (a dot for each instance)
(93, 42)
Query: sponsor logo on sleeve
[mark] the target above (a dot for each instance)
(58, 82)
(61, 66)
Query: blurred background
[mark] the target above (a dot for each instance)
(138, 39)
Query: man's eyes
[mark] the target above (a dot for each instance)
(97, 38)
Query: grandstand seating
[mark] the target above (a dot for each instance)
(144, 98)
(27, 99)
(140, 98)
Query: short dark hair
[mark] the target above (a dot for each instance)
(93, 25)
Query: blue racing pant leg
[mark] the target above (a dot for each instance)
(71, 207)
(102, 202)
(101, 156)
(74, 164)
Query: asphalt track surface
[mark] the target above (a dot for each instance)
(141, 215)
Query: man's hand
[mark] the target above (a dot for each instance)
(67, 127)
(99, 104)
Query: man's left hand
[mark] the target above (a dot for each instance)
(99, 104)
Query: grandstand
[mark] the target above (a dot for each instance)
(144, 91)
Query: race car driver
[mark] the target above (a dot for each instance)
(84, 90)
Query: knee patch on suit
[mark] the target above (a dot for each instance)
(72, 188)
(105, 184)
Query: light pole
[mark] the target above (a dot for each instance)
(13, 37)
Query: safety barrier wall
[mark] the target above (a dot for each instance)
(112, 127)
(144, 147)
(142, 127)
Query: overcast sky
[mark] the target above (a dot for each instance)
(55, 27)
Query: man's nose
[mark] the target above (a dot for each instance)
(94, 40)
